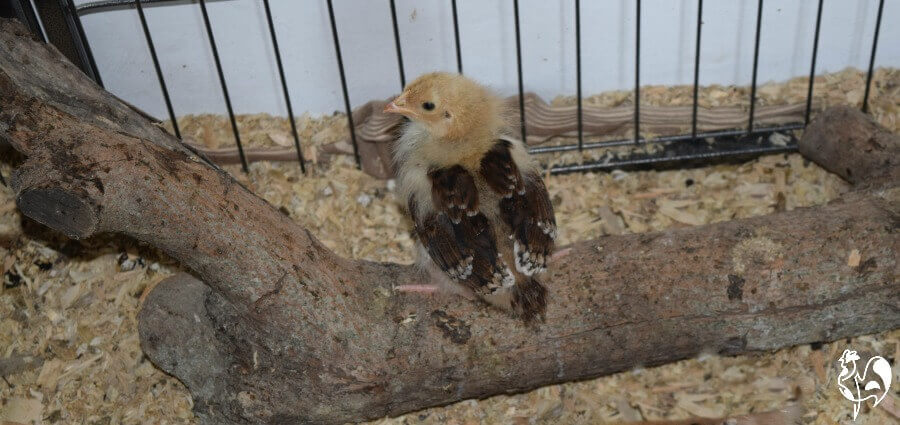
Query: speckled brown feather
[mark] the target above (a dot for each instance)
(453, 191)
(499, 170)
(458, 237)
(525, 207)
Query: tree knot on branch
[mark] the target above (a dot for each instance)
(456, 330)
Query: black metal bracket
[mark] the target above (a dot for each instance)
(22, 10)
(56, 22)
(727, 147)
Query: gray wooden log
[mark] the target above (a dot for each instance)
(853, 146)
(283, 330)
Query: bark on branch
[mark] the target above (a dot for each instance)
(282, 330)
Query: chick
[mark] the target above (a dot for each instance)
(483, 219)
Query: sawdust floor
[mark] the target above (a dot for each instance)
(70, 354)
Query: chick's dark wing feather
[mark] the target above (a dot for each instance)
(453, 192)
(525, 207)
(458, 237)
(500, 171)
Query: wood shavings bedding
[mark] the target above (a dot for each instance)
(69, 350)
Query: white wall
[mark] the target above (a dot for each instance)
(488, 47)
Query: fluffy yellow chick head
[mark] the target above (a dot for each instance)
(451, 107)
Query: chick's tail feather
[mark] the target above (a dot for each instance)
(529, 299)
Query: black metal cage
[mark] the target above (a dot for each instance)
(58, 22)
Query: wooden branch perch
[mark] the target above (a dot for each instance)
(282, 330)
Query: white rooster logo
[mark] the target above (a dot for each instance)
(857, 387)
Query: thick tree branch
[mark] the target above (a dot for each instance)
(285, 331)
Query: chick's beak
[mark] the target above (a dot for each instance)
(398, 106)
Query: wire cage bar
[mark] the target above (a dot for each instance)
(578, 73)
(812, 66)
(340, 61)
(284, 87)
(459, 65)
(759, 11)
(397, 43)
(865, 102)
(637, 72)
(519, 72)
(696, 70)
(157, 68)
(215, 53)
(677, 149)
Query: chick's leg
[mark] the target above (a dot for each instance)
(423, 262)
(438, 288)
(559, 254)
(422, 289)
(438, 283)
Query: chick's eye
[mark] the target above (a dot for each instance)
(428, 106)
